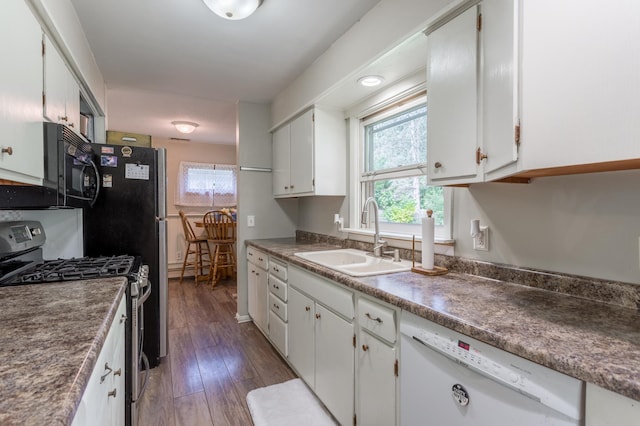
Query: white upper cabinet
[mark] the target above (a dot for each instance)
(21, 158)
(452, 92)
(61, 91)
(557, 90)
(471, 94)
(309, 155)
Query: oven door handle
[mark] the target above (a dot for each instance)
(144, 296)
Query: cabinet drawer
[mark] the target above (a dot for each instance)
(278, 333)
(258, 258)
(278, 287)
(278, 269)
(278, 306)
(378, 319)
(336, 298)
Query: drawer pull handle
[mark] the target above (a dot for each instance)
(276, 287)
(118, 372)
(108, 371)
(378, 320)
(307, 308)
(317, 316)
(123, 318)
(275, 268)
(276, 306)
(7, 150)
(437, 165)
(365, 347)
(112, 393)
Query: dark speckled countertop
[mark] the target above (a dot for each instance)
(587, 339)
(50, 338)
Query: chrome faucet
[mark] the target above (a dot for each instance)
(378, 244)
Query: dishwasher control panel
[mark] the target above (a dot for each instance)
(549, 387)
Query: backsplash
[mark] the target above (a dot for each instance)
(621, 294)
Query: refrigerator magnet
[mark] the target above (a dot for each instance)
(106, 150)
(126, 151)
(108, 161)
(107, 181)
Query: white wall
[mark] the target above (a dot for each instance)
(273, 218)
(582, 224)
(381, 29)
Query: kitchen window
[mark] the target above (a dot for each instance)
(206, 185)
(393, 171)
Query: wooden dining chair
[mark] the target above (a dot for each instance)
(197, 253)
(221, 230)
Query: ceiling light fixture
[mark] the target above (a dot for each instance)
(233, 9)
(370, 80)
(185, 126)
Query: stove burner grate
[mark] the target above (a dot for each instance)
(78, 269)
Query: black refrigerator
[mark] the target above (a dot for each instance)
(129, 217)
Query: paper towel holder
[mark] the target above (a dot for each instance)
(437, 270)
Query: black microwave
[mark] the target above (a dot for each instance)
(71, 177)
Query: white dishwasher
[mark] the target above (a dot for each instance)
(450, 379)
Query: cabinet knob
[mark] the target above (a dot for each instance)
(64, 118)
(71, 125)
(317, 316)
(480, 156)
(437, 165)
(7, 150)
(118, 372)
(112, 393)
(286, 187)
(307, 308)
(365, 347)
(123, 318)
(291, 186)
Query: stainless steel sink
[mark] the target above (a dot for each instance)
(354, 262)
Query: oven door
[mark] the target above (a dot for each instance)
(80, 184)
(139, 364)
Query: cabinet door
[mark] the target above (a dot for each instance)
(335, 364)
(302, 160)
(281, 160)
(376, 382)
(21, 95)
(452, 99)
(262, 304)
(252, 290)
(301, 313)
(72, 103)
(55, 84)
(499, 83)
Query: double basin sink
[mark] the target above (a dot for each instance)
(354, 262)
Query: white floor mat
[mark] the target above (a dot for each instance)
(287, 404)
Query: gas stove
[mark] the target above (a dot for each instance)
(21, 259)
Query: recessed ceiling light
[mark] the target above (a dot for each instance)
(370, 80)
(185, 126)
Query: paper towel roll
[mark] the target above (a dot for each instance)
(428, 226)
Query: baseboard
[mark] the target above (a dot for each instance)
(243, 318)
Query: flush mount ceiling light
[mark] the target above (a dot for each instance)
(233, 9)
(370, 80)
(185, 126)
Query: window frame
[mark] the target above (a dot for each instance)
(186, 196)
(373, 112)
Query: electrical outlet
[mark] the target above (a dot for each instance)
(481, 241)
(251, 221)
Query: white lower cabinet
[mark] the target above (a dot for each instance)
(103, 400)
(258, 287)
(377, 363)
(604, 408)
(321, 340)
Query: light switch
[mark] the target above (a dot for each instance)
(251, 221)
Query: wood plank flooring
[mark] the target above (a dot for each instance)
(213, 361)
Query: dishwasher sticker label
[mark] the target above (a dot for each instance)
(460, 394)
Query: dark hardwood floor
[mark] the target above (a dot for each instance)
(213, 361)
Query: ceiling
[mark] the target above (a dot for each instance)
(167, 60)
